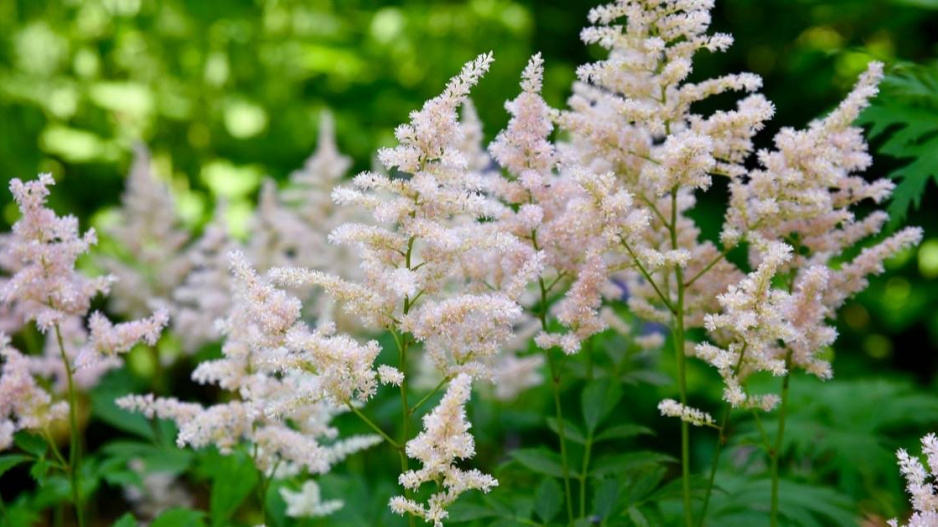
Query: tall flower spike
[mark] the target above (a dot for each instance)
(149, 261)
(753, 323)
(631, 115)
(204, 296)
(277, 235)
(47, 287)
(920, 484)
(50, 290)
(283, 416)
(444, 440)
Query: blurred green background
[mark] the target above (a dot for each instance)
(227, 91)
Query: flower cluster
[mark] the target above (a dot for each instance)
(920, 484)
(47, 288)
(149, 241)
(284, 417)
(445, 439)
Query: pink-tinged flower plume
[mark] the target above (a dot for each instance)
(444, 441)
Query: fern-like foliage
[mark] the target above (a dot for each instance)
(845, 435)
(905, 116)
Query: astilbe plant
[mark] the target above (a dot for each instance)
(920, 483)
(283, 421)
(568, 218)
(47, 289)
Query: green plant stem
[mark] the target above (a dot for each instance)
(555, 385)
(427, 397)
(74, 453)
(713, 468)
(371, 424)
(776, 451)
(402, 345)
(721, 440)
(588, 448)
(678, 310)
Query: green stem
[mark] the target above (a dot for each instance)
(778, 440)
(371, 424)
(584, 471)
(74, 453)
(681, 366)
(713, 468)
(427, 397)
(555, 383)
(721, 440)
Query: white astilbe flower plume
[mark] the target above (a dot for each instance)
(148, 262)
(569, 222)
(308, 503)
(24, 404)
(445, 439)
(277, 236)
(920, 484)
(754, 322)
(416, 256)
(805, 192)
(204, 296)
(48, 289)
(46, 285)
(308, 194)
(631, 115)
(672, 408)
(283, 417)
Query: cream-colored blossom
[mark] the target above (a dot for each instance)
(444, 441)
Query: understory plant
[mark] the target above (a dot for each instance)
(388, 315)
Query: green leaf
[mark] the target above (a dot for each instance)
(40, 469)
(570, 431)
(905, 115)
(11, 460)
(180, 518)
(466, 512)
(276, 506)
(607, 496)
(622, 432)
(626, 463)
(126, 520)
(103, 407)
(539, 460)
(548, 500)
(233, 478)
(637, 517)
(598, 399)
(31, 443)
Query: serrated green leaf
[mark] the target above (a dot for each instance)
(548, 500)
(570, 431)
(466, 512)
(637, 517)
(906, 116)
(622, 432)
(598, 399)
(606, 498)
(614, 466)
(31, 443)
(233, 478)
(539, 460)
